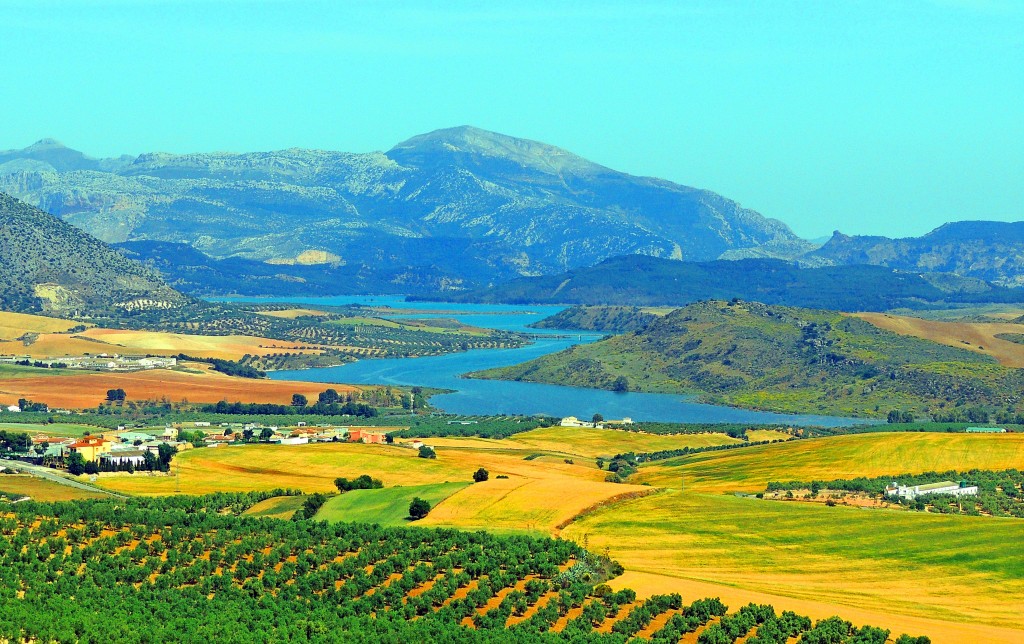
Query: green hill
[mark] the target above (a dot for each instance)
(50, 266)
(784, 359)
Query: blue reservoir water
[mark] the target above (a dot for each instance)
(503, 397)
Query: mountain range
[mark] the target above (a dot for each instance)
(451, 211)
(639, 280)
(989, 250)
(453, 208)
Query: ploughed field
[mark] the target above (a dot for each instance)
(907, 571)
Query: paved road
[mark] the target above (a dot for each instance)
(51, 475)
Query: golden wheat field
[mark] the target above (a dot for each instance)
(96, 340)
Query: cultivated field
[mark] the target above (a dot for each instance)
(588, 442)
(57, 429)
(750, 469)
(96, 340)
(81, 390)
(15, 325)
(975, 336)
(884, 562)
(523, 501)
(278, 507)
(388, 506)
(41, 489)
(906, 571)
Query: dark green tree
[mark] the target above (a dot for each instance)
(480, 475)
(76, 463)
(419, 508)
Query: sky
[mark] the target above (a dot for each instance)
(886, 118)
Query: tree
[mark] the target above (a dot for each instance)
(247, 435)
(329, 397)
(76, 463)
(621, 384)
(92, 467)
(427, 452)
(598, 418)
(419, 508)
(116, 395)
(265, 434)
(480, 475)
(298, 400)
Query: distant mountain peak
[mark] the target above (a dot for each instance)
(473, 142)
(45, 144)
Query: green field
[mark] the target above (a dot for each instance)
(388, 506)
(56, 429)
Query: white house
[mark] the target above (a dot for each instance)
(135, 457)
(14, 408)
(572, 421)
(911, 492)
(295, 440)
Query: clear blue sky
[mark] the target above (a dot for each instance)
(870, 117)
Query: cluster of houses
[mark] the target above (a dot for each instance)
(123, 446)
(98, 362)
(911, 492)
(114, 448)
(302, 434)
(572, 421)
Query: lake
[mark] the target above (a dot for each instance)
(484, 397)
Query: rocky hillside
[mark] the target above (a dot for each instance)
(52, 267)
(493, 206)
(783, 359)
(987, 250)
(638, 280)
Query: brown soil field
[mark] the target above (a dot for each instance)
(974, 336)
(96, 340)
(79, 391)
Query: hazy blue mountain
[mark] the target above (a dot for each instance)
(988, 250)
(637, 280)
(493, 207)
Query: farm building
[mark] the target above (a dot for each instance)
(985, 430)
(911, 492)
(90, 447)
(295, 440)
(123, 457)
(14, 409)
(359, 435)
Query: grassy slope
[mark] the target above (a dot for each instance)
(780, 358)
(388, 506)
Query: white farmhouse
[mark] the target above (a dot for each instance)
(911, 492)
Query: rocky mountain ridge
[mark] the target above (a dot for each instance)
(507, 206)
